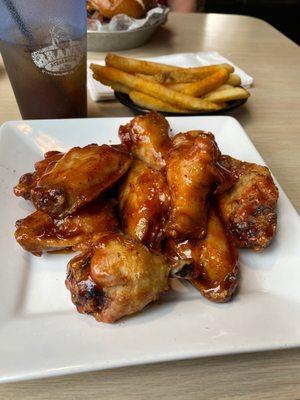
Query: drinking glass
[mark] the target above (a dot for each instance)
(43, 46)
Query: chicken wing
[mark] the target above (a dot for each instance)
(215, 260)
(249, 207)
(79, 177)
(29, 181)
(192, 173)
(116, 276)
(144, 202)
(40, 233)
(147, 138)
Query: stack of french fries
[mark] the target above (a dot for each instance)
(167, 88)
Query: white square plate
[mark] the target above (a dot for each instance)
(41, 334)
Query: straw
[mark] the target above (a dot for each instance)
(18, 20)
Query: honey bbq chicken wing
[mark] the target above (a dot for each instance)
(38, 232)
(79, 177)
(192, 173)
(215, 270)
(249, 207)
(30, 180)
(115, 276)
(147, 138)
(144, 202)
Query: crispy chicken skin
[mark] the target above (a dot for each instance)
(115, 276)
(29, 181)
(192, 173)
(147, 138)
(79, 177)
(144, 201)
(249, 207)
(38, 232)
(214, 258)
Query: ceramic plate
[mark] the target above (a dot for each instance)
(42, 335)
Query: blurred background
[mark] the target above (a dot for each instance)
(284, 15)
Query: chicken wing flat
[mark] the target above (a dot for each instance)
(40, 233)
(192, 173)
(214, 258)
(249, 207)
(29, 181)
(116, 276)
(147, 138)
(144, 201)
(79, 177)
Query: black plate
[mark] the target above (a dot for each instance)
(126, 101)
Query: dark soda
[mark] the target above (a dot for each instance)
(49, 80)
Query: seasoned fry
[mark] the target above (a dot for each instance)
(234, 80)
(222, 87)
(132, 65)
(199, 88)
(118, 87)
(235, 93)
(153, 89)
(152, 68)
(158, 78)
(186, 75)
(151, 103)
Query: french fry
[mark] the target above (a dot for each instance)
(158, 78)
(199, 88)
(134, 66)
(181, 78)
(186, 75)
(222, 87)
(118, 87)
(153, 89)
(234, 80)
(235, 93)
(151, 103)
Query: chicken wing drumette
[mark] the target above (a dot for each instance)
(147, 138)
(79, 177)
(214, 270)
(30, 180)
(249, 207)
(115, 276)
(38, 232)
(193, 173)
(144, 201)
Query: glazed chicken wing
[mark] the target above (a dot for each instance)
(214, 260)
(30, 180)
(79, 177)
(144, 202)
(249, 207)
(115, 276)
(40, 233)
(192, 173)
(147, 138)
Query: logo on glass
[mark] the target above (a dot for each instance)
(62, 56)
